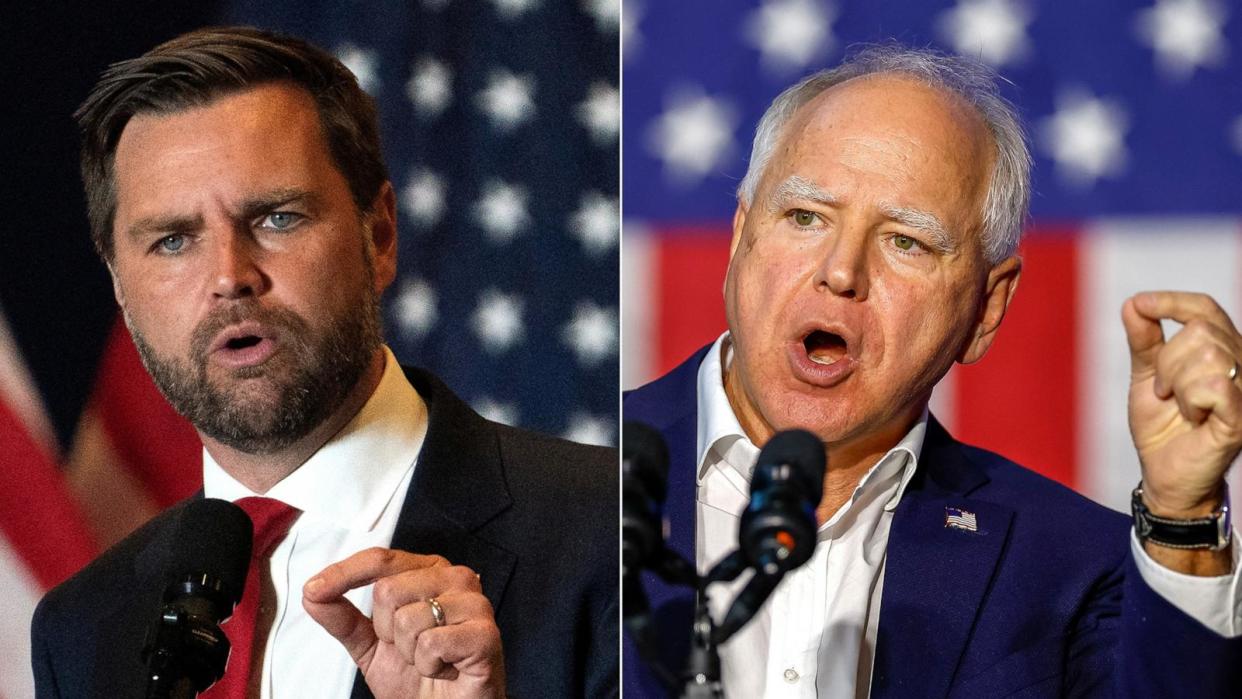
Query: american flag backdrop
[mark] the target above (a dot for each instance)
(500, 121)
(1134, 113)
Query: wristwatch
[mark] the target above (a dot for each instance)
(1212, 532)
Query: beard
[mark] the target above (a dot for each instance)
(308, 377)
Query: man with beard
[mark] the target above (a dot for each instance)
(238, 197)
(874, 245)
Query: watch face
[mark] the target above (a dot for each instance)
(1142, 526)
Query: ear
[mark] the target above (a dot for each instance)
(1001, 284)
(739, 225)
(383, 231)
(116, 284)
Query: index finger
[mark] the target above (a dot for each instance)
(1145, 338)
(1183, 307)
(364, 568)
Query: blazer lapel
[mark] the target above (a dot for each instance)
(670, 405)
(458, 487)
(936, 575)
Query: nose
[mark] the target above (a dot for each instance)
(844, 269)
(236, 273)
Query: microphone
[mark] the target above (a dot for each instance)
(185, 650)
(644, 485)
(644, 478)
(778, 531)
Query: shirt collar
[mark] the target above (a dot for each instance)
(722, 442)
(720, 435)
(353, 478)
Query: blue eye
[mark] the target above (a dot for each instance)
(171, 243)
(280, 220)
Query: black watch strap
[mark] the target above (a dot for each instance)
(1212, 532)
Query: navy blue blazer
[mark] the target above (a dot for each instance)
(1043, 601)
(533, 515)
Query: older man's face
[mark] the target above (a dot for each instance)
(857, 275)
(242, 265)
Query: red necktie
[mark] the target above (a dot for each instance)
(272, 519)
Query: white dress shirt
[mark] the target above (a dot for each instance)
(350, 493)
(815, 636)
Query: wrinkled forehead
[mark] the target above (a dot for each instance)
(895, 121)
(259, 140)
(897, 107)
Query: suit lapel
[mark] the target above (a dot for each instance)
(426, 527)
(935, 576)
(679, 508)
(458, 487)
(670, 405)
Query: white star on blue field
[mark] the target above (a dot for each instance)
(504, 156)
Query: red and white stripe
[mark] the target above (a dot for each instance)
(1051, 394)
(132, 454)
(43, 537)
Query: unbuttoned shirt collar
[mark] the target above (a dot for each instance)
(355, 477)
(722, 444)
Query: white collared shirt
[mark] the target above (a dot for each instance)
(815, 637)
(350, 493)
(816, 634)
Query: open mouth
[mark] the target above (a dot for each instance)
(238, 343)
(824, 347)
(244, 345)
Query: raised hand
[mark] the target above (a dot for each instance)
(1185, 404)
(431, 633)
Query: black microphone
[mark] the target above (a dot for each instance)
(644, 483)
(778, 531)
(186, 651)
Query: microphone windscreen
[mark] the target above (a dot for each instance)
(213, 537)
(804, 452)
(645, 457)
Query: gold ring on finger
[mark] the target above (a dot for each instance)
(437, 611)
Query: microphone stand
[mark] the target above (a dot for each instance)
(701, 677)
(185, 651)
(673, 569)
(701, 680)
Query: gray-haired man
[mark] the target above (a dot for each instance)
(873, 247)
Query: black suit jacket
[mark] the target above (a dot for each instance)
(534, 516)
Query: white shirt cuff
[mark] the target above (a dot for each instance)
(1215, 602)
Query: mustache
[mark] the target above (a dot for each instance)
(291, 324)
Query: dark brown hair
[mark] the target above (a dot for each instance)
(196, 68)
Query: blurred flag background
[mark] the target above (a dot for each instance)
(500, 123)
(1134, 112)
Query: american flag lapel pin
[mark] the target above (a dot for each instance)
(957, 518)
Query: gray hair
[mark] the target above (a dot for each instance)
(1009, 192)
